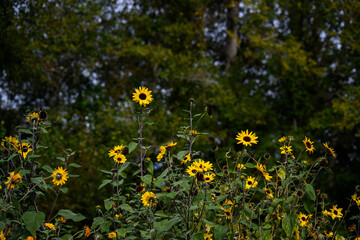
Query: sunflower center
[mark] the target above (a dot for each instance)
(194, 171)
(308, 145)
(201, 166)
(207, 179)
(249, 182)
(303, 218)
(267, 192)
(227, 213)
(142, 96)
(58, 176)
(25, 149)
(247, 139)
(117, 151)
(151, 200)
(335, 212)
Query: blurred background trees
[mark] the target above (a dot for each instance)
(273, 67)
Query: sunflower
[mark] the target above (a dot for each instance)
(116, 150)
(286, 149)
(250, 182)
(328, 234)
(246, 138)
(228, 204)
(192, 170)
(142, 96)
(120, 158)
(162, 150)
(170, 145)
(241, 166)
(61, 220)
(28, 238)
(25, 149)
(87, 231)
(186, 159)
(304, 219)
(282, 139)
(148, 199)
(50, 225)
(356, 199)
(336, 212)
(261, 167)
(193, 132)
(209, 177)
(268, 192)
(10, 143)
(208, 236)
(34, 116)
(13, 181)
(309, 145)
(330, 149)
(112, 235)
(42, 115)
(2, 236)
(228, 213)
(203, 166)
(267, 176)
(59, 176)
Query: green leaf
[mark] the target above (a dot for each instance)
(289, 199)
(197, 236)
(147, 179)
(47, 168)
(266, 235)
(126, 207)
(207, 222)
(149, 123)
(132, 146)
(97, 221)
(26, 131)
(61, 159)
(105, 226)
(33, 220)
(66, 237)
(282, 172)
(150, 168)
(310, 192)
(288, 224)
(108, 204)
(123, 167)
(64, 190)
(104, 182)
(121, 232)
(329, 171)
(250, 165)
(77, 217)
(75, 165)
(167, 224)
(220, 231)
(308, 204)
(181, 155)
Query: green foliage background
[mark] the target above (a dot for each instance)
(273, 67)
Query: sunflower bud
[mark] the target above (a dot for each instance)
(209, 111)
(267, 155)
(317, 191)
(139, 188)
(125, 150)
(42, 115)
(324, 196)
(300, 193)
(323, 162)
(214, 148)
(199, 176)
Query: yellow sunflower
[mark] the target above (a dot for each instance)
(142, 96)
(186, 159)
(50, 225)
(309, 145)
(13, 181)
(209, 177)
(268, 193)
(208, 236)
(330, 149)
(172, 144)
(34, 116)
(161, 154)
(261, 167)
(116, 150)
(282, 139)
(120, 158)
(336, 212)
(304, 219)
(59, 176)
(148, 199)
(194, 132)
(192, 170)
(267, 176)
(25, 149)
(286, 149)
(250, 182)
(246, 138)
(112, 235)
(228, 213)
(10, 143)
(203, 166)
(356, 199)
(328, 234)
(241, 166)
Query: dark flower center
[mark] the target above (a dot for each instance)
(207, 179)
(42, 114)
(142, 96)
(308, 145)
(247, 139)
(117, 151)
(227, 213)
(58, 176)
(267, 192)
(303, 218)
(249, 182)
(25, 149)
(335, 212)
(194, 171)
(201, 166)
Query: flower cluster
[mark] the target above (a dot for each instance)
(118, 154)
(198, 168)
(162, 150)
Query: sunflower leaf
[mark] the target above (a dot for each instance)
(132, 146)
(33, 220)
(126, 207)
(104, 182)
(75, 165)
(47, 168)
(220, 232)
(77, 217)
